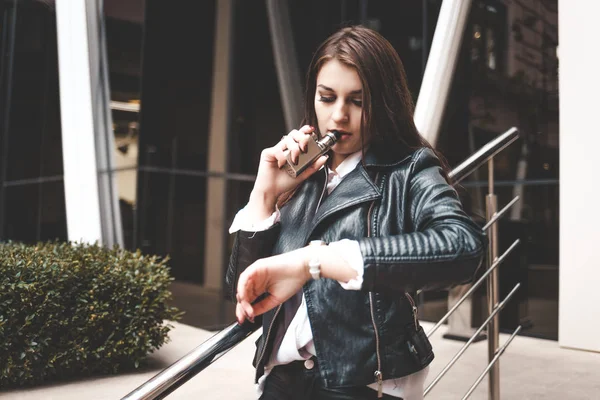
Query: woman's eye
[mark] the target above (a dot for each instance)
(326, 99)
(357, 103)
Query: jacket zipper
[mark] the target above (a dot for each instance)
(378, 373)
(324, 188)
(415, 310)
(262, 354)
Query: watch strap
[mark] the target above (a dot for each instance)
(314, 264)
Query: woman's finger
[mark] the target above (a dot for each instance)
(247, 311)
(276, 154)
(318, 164)
(249, 286)
(268, 303)
(302, 137)
(280, 156)
(284, 139)
(306, 129)
(240, 315)
(313, 168)
(293, 148)
(282, 144)
(270, 154)
(243, 307)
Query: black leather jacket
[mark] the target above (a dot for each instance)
(413, 234)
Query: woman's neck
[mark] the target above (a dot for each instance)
(335, 160)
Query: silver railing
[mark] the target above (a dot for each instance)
(184, 369)
(171, 378)
(486, 154)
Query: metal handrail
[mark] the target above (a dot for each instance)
(487, 226)
(493, 362)
(500, 214)
(484, 154)
(466, 345)
(172, 377)
(473, 288)
(184, 369)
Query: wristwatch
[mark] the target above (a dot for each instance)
(314, 264)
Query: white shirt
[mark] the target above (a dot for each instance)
(298, 342)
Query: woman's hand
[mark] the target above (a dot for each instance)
(280, 276)
(272, 180)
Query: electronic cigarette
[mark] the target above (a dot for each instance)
(314, 149)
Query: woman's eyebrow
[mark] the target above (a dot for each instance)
(325, 87)
(358, 91)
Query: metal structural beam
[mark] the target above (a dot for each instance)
(91, 198)
(440, 68)
(82, 199)
(110, 212)
(286, 62)
(214, 243)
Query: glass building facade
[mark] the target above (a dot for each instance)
(162, 72)
(32, 203)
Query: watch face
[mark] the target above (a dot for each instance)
(314, 265)
(314, 268)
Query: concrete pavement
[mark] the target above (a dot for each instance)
(531, 369)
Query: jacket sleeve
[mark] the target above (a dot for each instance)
(247, 248)
(444, 247)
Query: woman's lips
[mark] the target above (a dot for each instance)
(345, 135)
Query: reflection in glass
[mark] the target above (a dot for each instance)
(124, 28)
(506, 78)
(490, 49)
(31, 167)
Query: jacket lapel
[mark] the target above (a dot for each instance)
(299, 214)
(355, 188)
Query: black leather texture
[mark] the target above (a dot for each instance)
(413, 234)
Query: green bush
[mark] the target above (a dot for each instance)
(71, 310)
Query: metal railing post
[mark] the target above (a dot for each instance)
(493, 327)
(493, 362)
(493, 315)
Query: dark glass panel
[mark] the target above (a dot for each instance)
(34, 133)
(177, 82)
(506, 76)
(257, 115)
(33, 192)
(36, 212)
(175, 117)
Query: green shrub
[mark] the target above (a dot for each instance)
(71, 310)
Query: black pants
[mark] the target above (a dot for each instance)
(296, 382)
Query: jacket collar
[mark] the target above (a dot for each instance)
(359, 186)
(356, 188)
(385, 156)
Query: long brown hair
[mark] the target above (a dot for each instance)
(388, 108)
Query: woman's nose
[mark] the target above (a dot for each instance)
(340, 113)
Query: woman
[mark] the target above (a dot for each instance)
(338, 319)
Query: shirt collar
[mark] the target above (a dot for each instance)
(347, 165)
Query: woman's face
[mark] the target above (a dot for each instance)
(338, 105)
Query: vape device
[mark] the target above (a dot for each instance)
(314, 149)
